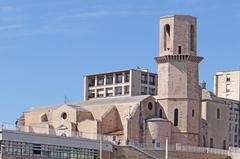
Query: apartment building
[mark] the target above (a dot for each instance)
(131, 82)
(227, 84)
(234, 123)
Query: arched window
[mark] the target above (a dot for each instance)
(175, 117)
(150, 106)
(204, 141)
(166, 37)
(192, 38)
(218, 113)
(193, 113)
(211, 142)
(44, 118)
(160, 113)
(224, 145)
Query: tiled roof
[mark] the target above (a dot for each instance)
(99, 101)
(113, 100)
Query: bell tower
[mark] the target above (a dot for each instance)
(178, 77)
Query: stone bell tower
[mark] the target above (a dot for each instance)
(178, 77)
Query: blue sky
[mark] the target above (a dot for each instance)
(47, 46)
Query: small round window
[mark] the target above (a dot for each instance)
(150, 106)
(64, 115)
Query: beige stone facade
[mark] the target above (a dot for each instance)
(115, 105)
(178, 79)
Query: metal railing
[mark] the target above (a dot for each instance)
(55, 132)
(180, 148)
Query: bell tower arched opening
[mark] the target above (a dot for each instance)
(167, 32)
(192, 38)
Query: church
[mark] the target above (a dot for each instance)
(178, 108)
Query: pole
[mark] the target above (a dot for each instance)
(100, 146)
(166, 153)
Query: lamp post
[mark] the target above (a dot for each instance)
(166, 152)
(100, 149)
(128, 125)
(100, 146)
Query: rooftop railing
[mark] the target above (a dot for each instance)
(61, 132)
(184, 148)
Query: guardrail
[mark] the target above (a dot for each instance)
(55, 132)
(181, 148)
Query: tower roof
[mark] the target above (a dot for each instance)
(177, 15)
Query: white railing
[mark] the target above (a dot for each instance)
(54, 132)
(234, 152)
(180, 148)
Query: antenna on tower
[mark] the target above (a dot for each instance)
(65, 99)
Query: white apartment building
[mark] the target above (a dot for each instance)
(227, 84)
(131, 82)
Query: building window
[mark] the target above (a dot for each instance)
(179, 50)
(118, 90)
(236, 128)
(109, 92)
(150, 106)
(227, 95)
(109, 79)
(193, 113)
(91, 81)
(152, 91)
(100, 80)
(211, 142)
(235, 138)
(144, 78)
(152, 80)
(44, 118)
(218, 114)
(166, 37)
(192, 40)
(143, 90)
(37, 149)
(204, 141)
(64, 115)
(228, 77)
(33, 150)
(224, 145)
(100, 93)
(126, 77)
(160, 113)
(228, 88)
(119, 78)
(175, 117)
(126, 90)
(91, 94)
